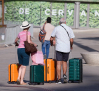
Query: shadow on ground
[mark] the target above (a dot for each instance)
(87, 48)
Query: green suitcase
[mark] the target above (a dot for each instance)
(75, 70)
(36, 75)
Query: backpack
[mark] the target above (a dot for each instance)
(42, 34)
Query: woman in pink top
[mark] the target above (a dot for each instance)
(23, 57)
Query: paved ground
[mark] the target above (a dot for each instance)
(85, 41)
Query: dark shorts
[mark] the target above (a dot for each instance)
(23, 57)
(61, 56)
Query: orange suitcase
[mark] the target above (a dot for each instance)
(13, 72)
(50, 70)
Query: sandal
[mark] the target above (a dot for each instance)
(23, 83)
(18, 82)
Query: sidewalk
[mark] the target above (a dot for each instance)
(86, 41)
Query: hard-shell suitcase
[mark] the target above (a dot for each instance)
(36, 75)
(75, 70)
(50, 70)
(13, 72)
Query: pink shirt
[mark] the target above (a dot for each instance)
(22, 37)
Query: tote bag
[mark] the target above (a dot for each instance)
(37, 58)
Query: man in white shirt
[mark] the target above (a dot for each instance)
(64, 42)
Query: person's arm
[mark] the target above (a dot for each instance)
(16, 39)
(71, 43)
(52, 40)
(30, 41)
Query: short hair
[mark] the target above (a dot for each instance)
(62, 20)
(48, 19)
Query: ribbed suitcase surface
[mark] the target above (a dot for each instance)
(36, 74)
(13, 72)
(49, 70)
(75, 69)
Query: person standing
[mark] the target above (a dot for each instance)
(46, 44)
(64, 43)
(23, 57)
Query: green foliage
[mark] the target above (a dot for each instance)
(44, 6)
(38, 17)
(94, 20)
(83, 19)
(56, 18)
(70, 18)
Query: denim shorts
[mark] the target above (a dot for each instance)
(61, 56)
(23, 57)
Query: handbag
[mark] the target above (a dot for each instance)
(37, 58)
(16, 44)
(29, 48)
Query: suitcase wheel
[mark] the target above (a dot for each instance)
(70, 81)
(32, 83)
(50, 82)
(42, 83)
(11, 82)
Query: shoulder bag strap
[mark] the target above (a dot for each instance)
(66, 30)
(44, 26)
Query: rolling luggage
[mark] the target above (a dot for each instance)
(50, 70)
(36, 75)
(13, 72)
(75, 70)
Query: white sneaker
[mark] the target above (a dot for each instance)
(65, 79)
(59, 81)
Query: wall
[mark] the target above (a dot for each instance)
(36, 13)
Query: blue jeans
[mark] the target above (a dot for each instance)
(46, 45)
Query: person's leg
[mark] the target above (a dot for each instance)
(47, 48)
(43, 49)
(64, 63)
(59, 69)
(19, 75)
(64, 67)
(25, 63)
(22, 73)
(59, 63)
(65, 59)
(20, 59)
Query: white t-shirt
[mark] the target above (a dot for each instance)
(62, 38)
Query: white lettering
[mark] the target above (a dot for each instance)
(46, 11)
(96, 13)
(70, 13)
(60, 12)
(21, 11)
(54, 12)
(27, 11)
(83, 13)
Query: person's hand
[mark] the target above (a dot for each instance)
(35, 45)
(54, 42)
(71, 48)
